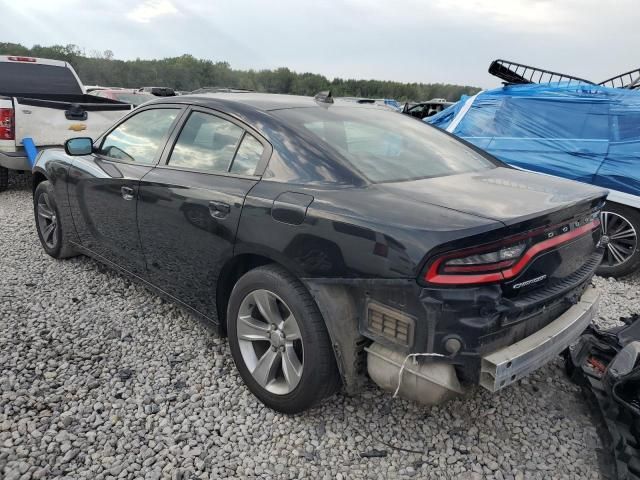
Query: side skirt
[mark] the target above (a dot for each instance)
(206, 320)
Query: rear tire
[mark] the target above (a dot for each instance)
(4, 178)
(51, 232)
(621, 224)
(291, 333)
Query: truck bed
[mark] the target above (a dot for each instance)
(64, 102)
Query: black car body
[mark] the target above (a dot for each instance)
(405, 262)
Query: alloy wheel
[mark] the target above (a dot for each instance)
(620, 238)
(47, 220)
(270, 342)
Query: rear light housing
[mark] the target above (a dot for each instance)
(6, 124)
(499, 261)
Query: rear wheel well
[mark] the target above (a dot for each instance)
(229, 276)
(38, 178)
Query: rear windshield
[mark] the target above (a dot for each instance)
(33, 78)
(386, 146)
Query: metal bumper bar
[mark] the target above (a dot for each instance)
(14, 160)
(509, 364)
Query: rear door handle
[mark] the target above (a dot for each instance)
(219, 209)
(128, 193)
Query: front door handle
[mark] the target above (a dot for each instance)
(128, 193)
(219, 209)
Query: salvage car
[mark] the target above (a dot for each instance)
(567, 126)
(44, 100)
(329, 239)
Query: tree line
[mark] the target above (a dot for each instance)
(188, 73)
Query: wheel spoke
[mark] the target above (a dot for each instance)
(604, 220)
(291, 329)
(48, 232)
(628, 233)
(291, 366)
(47, 201)
(251, 329)
(267, 306)
(614, 252)
(266, 368)
(44, 211)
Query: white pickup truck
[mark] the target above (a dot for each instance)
(44, 100)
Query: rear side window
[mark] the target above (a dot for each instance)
(141, 137)
(213, 144)
(248, 156)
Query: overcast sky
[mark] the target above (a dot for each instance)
(451, 41)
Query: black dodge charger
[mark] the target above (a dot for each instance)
(329, 240)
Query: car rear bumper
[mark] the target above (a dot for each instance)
(509, 364)
(14, 160)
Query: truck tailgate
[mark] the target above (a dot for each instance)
(53, 122)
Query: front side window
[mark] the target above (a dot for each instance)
(140, 138)
(206, 143)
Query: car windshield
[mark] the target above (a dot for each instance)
(134, 99)
(386, 146)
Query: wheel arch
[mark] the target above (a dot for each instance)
(39, 176)
(336, 304)
(230, 272)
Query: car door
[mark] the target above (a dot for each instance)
(189, 205)
(103, 187)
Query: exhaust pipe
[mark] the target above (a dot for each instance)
(430, 383)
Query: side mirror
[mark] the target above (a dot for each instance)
(78, 146)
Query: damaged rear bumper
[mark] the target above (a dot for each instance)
(509, 364)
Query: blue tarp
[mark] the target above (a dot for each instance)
(583, 132)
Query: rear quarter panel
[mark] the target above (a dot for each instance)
(351, 232)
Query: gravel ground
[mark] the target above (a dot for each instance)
(101, 379)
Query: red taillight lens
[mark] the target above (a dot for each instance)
(503, 260)
(6, 124)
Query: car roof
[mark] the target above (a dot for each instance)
(261, 101)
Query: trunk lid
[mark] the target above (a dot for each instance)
(504, 194)
(556, 216)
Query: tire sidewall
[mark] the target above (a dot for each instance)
(304, 391)
(46, 187)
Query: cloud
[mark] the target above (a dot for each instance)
(147, 11)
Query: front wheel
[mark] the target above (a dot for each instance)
(48, 222)
(279, 341)
(620, 228)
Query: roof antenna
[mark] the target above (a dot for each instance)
(324, 97)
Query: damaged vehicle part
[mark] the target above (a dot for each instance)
(606, 363)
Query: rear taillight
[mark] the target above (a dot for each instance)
(6, 124)
(503, 260)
